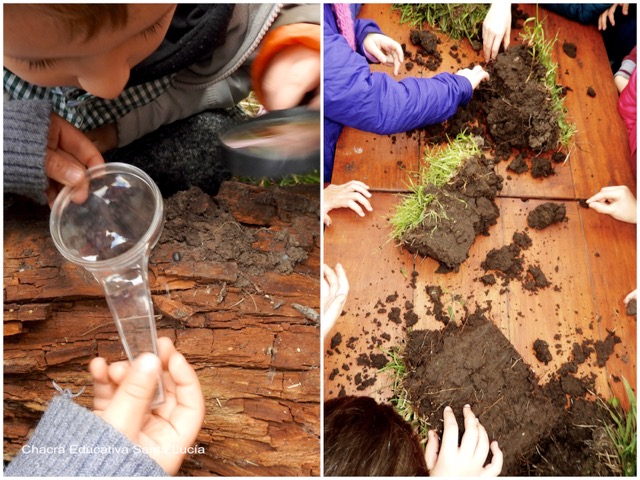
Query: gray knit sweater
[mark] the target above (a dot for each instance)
(71, 441)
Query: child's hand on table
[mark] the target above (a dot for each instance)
(122, 397)
(334, 290)
(467, 459)
(351, 195)
(617, 201)
(379, 48)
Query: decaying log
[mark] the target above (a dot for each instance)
(258, 365)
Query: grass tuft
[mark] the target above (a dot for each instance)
(541, 50)
(458, 20)
(623, 434)
(442, 164)
(400, 400)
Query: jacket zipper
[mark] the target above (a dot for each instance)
(272, 18)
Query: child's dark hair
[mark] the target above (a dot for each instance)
(364, 438)
(80, 19)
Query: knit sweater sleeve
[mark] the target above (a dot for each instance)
(71, 441)
(25, 130)
(375, 102)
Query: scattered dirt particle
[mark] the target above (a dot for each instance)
(541, 349)
(570, 49)
(546, 214)
(591, 92)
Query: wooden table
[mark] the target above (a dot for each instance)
(595, 254)
(257, 358)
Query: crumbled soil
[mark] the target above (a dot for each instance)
(570, 49)
(591, 92)
(271, 229)
(465, 208)
(427, 43)
(546, 214)
(541, 167)
(632, 307)
(519, 165)
(541, 349)
(540, 428)
(516, 102)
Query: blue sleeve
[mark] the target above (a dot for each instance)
(585, 13)
(377, 103)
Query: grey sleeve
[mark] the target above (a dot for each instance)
(71, 441)
(25, 130)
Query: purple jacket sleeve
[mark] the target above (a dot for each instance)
(375, 102)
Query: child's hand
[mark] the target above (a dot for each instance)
(609, 14)
(616, 201)
(290, 76)
(348, 195)
(475, 76)
(105, 138)
(496, 29)
(334, 290)
(379, 48)
(632, 296)
(467, 459)
(69, 153)
(123, 393)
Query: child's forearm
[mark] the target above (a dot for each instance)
(25, 131)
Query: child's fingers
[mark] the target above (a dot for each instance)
(118, 371)
(431, 450)
(343, 281)
(326, 219)
(482, 448)
(601, 207)
(494, 468)
(128, 410)
(103, 389)
(357, 183)
(450, 433)
(331, 277)
(470, 438)
(353, 205)
(188, 414)
(631, 296)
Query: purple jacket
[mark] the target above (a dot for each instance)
(375, 102)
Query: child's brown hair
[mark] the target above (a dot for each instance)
(78, 19)
(364, 438)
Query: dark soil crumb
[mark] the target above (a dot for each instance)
(409, 66)
(506, 260)
(435, 295)
(604, 348)
(392, 298)
(558, 157)
(535, 279)
(546, 214)
(583, 202)
(591, 92)
(519, 165)
(632, 307)
(489, 279)
(394, 315)
(570, 49)
(378, 360)
(336, 340)
(541, 349)
(541, 167)
(428, 55)
(410, 318)
(522, 240)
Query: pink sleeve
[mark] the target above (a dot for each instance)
(627, 106)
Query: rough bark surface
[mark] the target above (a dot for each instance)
(223, 276)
